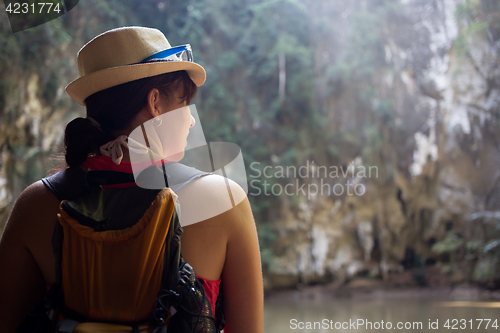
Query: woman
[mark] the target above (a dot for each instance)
(130, 76)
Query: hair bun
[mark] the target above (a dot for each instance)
(82, 137)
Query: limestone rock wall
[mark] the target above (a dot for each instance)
(442, 170)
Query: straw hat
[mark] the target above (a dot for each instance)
(114, 57)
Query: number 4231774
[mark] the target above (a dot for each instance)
(35, 8)
(461, 324)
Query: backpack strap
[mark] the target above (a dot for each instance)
(172, 257)
(67, 184)
(71, 183)
(108, 177)
(220, 318)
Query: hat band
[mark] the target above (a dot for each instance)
(181, 53)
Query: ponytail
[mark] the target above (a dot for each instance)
(82, 138)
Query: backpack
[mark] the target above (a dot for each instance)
(119, 266)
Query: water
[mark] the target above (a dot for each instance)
(417, 314)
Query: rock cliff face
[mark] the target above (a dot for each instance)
(34, 67)
(443, 169)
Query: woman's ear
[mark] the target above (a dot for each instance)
(153, 99)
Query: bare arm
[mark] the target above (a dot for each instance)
(227, 245)
(242, 274)
(22, 284)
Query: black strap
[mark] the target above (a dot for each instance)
(220, 318)
(74, 182)
(108, 177)
(67, 184)
(84, 220)
(173, 254)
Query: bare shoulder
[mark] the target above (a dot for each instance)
(216, 187)
(33, 203)
(36, 192)
(207, 197)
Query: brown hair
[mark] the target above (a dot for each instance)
(114, 109)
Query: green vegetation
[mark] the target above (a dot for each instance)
(478, 20)
(477, 255)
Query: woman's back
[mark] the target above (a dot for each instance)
(220, 247)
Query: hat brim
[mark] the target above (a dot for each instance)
(87, 85)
